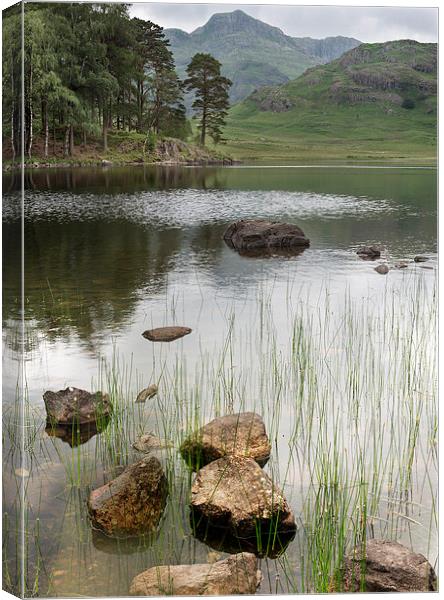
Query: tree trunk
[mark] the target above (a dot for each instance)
(203, 129)
(45, 127)
(84, 137)
(105, 129)
(12, 110)
(28, 114)
(66, 145)
(71, 140)
(54, 135)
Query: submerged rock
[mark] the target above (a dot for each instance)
(77, 434)
(382, 269)
(133, 502)
(370, 252)
(149, 441)
(166, 334)
(242, 434)
(418, 259)
(237, 574)
(260, 235)
(147, 393)
(233, 494)
(388, 567)
(73, 405)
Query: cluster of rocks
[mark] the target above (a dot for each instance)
(235, 506)
(373, 252)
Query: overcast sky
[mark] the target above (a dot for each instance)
(368, 24)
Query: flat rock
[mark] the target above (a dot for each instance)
(382, 269)
(242, 434)
(166, 334)
(149, 441)
(237, 574)
(234, 493)
(388, 567)
(73, 405)
(370, 252)
(147, 393)
(418, 259)
(133, 502)
(257, 235)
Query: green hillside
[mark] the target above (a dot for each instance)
(252, 53)
(378, 101)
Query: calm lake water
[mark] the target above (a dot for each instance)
(112, 252)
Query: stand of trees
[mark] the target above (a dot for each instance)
(88, 68)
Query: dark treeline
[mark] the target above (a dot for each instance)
(88, 68)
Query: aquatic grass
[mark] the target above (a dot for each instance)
(347, 391)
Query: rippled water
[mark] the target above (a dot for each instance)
(112, 252)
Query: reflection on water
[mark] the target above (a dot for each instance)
(110, 253)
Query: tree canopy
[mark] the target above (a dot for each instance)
(211, 88)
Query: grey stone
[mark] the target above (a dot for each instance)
(371, 252)
(382, 269)
(388, 567)
(166, 334)
(147, 393)
(255, 235)
(74, 405)
(242, 434)
(237, 574)
(234, 493)
(149, 441)
(133, 502)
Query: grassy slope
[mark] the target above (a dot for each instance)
(322, 125)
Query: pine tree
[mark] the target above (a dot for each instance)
(211, 89)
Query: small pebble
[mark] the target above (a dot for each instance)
(382, 269)
(147, 393)
(20, 472)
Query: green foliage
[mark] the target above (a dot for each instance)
(211, 89)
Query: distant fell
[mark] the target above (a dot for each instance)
(390, 74)
(376, 100)
(253, 53)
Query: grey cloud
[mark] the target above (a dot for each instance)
(368, 24)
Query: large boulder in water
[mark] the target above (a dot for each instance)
(166, 334)
(234, 494)
(388, 567)
(236, 574)
(260, 236)
(133, 502)
(242, 434)
(70, 406)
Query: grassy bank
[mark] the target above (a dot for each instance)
(124, 148)
(332, 132)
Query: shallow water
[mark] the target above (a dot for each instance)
(112, 252)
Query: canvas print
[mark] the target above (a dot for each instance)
(219, 299)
